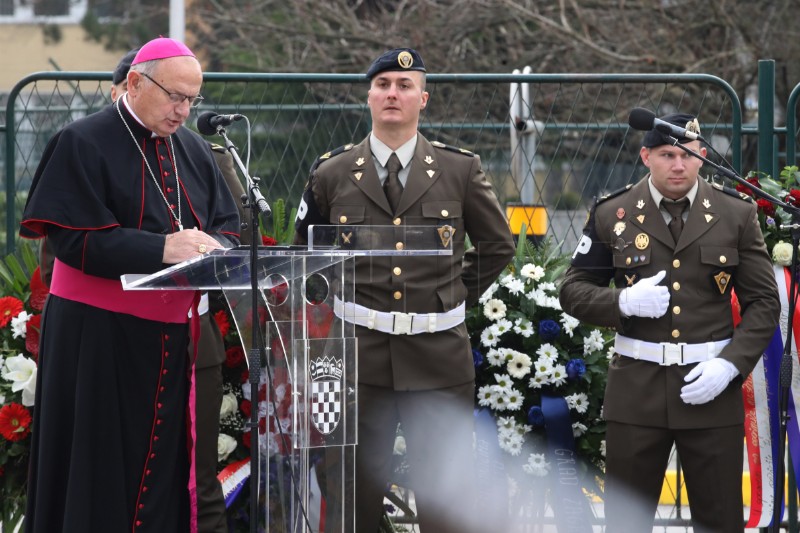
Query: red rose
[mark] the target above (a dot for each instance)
(268, 241)
(15, 422)
(245, 407)
(9, 308)
(766, 206)
(745, 189)
(793, 197)
(221, 318)
(234, 356)
(32, 329)
(39, 291)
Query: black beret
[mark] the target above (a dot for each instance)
(121, 72)
(655, 138)
(397, 59)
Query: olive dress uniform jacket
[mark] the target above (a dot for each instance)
(721, 247)
(445, 186)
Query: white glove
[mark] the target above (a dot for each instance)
(711, 376)
(645, 298)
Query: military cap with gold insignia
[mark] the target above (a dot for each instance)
(686, 121)
(396, 59)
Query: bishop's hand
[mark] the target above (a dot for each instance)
(186, 244)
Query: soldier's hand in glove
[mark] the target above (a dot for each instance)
(645, 298)
(711, 377)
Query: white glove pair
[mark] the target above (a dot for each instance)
(711, 377)
(645, 298)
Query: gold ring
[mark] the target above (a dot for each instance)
(201, 248)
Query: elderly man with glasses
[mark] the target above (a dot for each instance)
(125, 190)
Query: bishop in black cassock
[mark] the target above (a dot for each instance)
(110, 449)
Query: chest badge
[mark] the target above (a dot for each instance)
(446, 234)
(346, 237)
(640, 204)
(620, 213)
(428, 159)
(630, 279)
(619, 227)
(360, 161)
(642, 241)
(640, 218)
(723, 279)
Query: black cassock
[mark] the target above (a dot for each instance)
(109, 449)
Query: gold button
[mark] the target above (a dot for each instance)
(342, 219)
(396, 221)
(397, 295)
(676, 263)
(445, 213)
(397, 271)
(399, 246)
(676, 286)
(723, 259)
(627, 260)
(676, 333)
(676, 309)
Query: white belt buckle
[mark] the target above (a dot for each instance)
(672, 353)
(401, 323)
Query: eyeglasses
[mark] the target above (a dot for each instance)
(177, 98)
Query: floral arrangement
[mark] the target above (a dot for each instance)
(21, 305)
(524, 346)
(771, 216)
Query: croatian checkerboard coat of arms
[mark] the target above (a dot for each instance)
(326, 393)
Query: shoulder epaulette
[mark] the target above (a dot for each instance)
(733, 192)
(455, 149)
(327, 155)
(218, 148)
(614, 194)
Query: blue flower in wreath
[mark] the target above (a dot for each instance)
(549, 330)
(576, 368)
(477, 357)
(536, 416)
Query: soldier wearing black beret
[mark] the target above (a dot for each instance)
(420, 376)
(675, 247)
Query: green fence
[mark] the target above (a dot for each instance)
(571, 142)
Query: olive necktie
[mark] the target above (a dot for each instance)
(392, 187)
(675, 209)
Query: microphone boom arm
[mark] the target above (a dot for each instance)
(254, 193)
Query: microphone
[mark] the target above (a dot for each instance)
(645, 120)
(208, 122)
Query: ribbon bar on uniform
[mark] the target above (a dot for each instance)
(667, 353)
(397, 323)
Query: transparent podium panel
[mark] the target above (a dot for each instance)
(302, 314)
(307, 395)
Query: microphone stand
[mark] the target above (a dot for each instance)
(785, 380)
(256, 204)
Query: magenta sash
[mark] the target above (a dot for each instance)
(161, 306)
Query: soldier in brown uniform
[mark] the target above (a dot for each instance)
(677, 372)
(424, 381)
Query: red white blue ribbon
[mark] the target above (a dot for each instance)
(233, 478)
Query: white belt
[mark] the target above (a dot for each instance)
(398, 323)
(667, 353)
